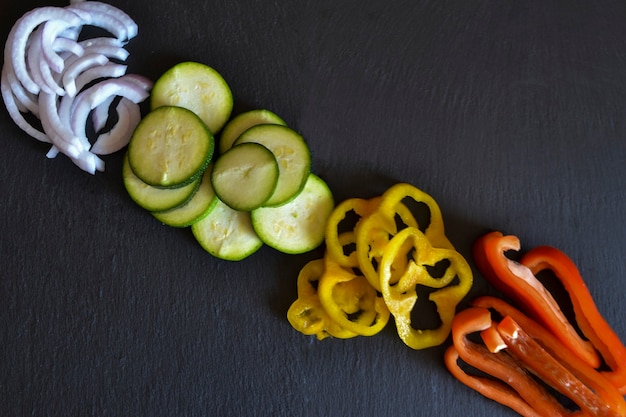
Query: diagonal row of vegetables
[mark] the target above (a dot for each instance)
(244, 181)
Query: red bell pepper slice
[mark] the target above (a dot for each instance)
(588, 318)
(510, 384)
(518, 282)
(591, 377)
(529, 349)
(564, 379)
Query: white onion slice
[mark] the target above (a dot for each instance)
(47, 72)
(15, 49)
(100, 114)
(61, 135)
(62, 44)
(51, 31)
(89, 162)
(25, 100)
(115, 139)
(101, 19)
(110, 70)
(93, 96)
(14, 111)
(110, 51)
(81, 64)
(105, 8)
(33, 59)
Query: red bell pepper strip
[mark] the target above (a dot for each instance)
(510, 384)
(546, 366)
(588, 318)
(528, 348)
(518, 282)
(600, 385)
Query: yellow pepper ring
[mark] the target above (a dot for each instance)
(372, 236)
(334, 247)
(307, 317)
(344, 294)
(401, 297)
(306, 314)
(434, 231)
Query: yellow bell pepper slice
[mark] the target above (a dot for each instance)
(361, 208)
(306, 313)
(351, 301)
(433, 228)
(400, 294)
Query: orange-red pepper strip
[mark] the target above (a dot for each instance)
(592, 378)
(523, 393)
(541, 363)
(517, 282)
(588, 318)
(489, 388)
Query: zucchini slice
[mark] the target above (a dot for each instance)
(240, 123)
(153, 198)
(245, 176)
(226, 233)
(199, 206)
(299, 225)
(293, 156)
(171, 147)
(196, 87)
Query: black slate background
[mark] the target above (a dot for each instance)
(511, 114)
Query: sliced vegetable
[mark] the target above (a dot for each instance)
(505, 380)
(243, 121)
(520, 284)
(529, 349)
(394, 212)
(171, 147)
(592, 324)
(351, 301)
(291, 152)
(297, 226)
(306, 314)
(195, 209)
(44, 62)
(245, 177)
(153, 198)
(400, 258)
(196, 87)
(409, 261)
(336, 247)
(226, 233)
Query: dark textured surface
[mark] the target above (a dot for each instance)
(511, 114)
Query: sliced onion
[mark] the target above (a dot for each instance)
(14, 111)
(101, 19)
(51, 31)
(56, 129)
(110, 70)
(100, 114)
(115, 139)
(24, 100)
(62, 44)
(15, 49)
(91, 97)
(105, 8)
(49, 73)
(78, 66)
